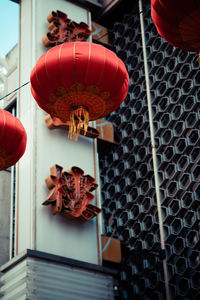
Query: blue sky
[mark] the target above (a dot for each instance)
(9, 25)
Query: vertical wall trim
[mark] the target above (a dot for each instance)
(89, 22)
(156, 177)
(11, 212)
(97, 177)
(97, 199)
(18, 114)
(33, 229)
(12, 204)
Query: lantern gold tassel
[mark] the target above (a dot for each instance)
(79, 119)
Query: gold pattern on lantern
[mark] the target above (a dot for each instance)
(77, 87)
(61, 91)
(93, 89)
(4, 159)
(74, 104)
(105, 95)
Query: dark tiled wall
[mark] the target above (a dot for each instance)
(127, 179)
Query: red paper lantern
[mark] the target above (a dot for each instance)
(12, 139)
(177, 21)
(79, 81)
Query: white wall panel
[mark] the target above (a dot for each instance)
(24, 207)
(37, 228)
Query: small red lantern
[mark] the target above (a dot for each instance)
(12, 139)
(79, 81)
(177, 21)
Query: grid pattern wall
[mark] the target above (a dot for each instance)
(127, 179)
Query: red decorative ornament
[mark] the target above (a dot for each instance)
(177, 21)
(12, 139)
(70, 193)
(79, 82)
(62, 29)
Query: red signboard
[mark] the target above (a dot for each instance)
(70, 193)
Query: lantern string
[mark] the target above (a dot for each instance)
(15, 90)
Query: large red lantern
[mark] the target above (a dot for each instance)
(79, 81)
(12, 139)
(177, 21)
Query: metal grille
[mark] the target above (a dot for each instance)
(127, 181)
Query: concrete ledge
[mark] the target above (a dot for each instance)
(39, 275)
(55, 258)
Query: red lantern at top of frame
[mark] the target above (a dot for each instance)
(178, 22)
(79, 82)
(12, 139)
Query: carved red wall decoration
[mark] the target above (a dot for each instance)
(12, 139)
(104, 130)
(79, 82)
(62, 29)
(100, 33)
(70, 193)
(55, 123)
(178, 22)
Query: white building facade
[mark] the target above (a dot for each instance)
(39, 241)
